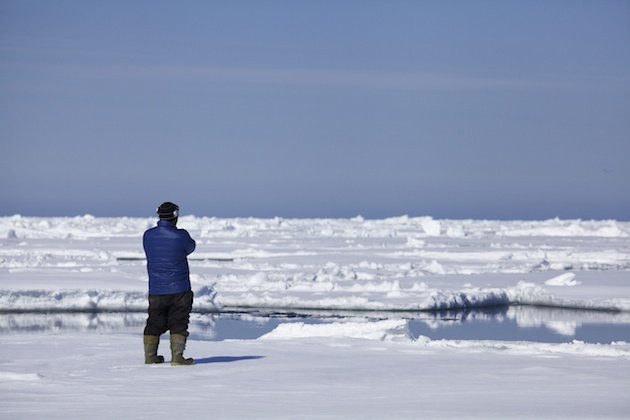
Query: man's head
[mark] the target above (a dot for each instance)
(168, 211)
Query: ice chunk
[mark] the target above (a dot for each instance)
(566, 279)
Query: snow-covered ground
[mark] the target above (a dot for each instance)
(359, 367)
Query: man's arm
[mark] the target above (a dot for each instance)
(189, 243)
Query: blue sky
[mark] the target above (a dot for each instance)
(458, 109)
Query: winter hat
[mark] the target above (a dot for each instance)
(168, 211)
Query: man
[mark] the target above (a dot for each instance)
(170, 294)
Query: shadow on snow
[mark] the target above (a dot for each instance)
(225, 359)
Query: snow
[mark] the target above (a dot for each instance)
(102, 376)
(566, 279)
(356, 366)
(380, 330)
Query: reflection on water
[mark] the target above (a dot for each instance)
(517, 323)
(525, 323)
(62, 322)
(202, 326)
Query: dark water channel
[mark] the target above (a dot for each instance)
(518, 323)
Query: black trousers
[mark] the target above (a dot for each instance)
(169, 312)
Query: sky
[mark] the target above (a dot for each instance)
(453, 109)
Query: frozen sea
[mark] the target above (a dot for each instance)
(406, 317)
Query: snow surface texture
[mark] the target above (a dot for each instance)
(404, 263)
(356, 368)
(313, 372)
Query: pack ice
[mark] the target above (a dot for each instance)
(404, 263)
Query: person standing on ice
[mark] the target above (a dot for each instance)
(170, 294)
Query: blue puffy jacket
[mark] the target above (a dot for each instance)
(166, 248)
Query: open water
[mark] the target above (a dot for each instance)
(521, 323)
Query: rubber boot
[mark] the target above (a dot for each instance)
(178, 345)
(151, 343)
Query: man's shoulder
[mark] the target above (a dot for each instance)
(183, 232)
(150, 230)
(166, 231)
